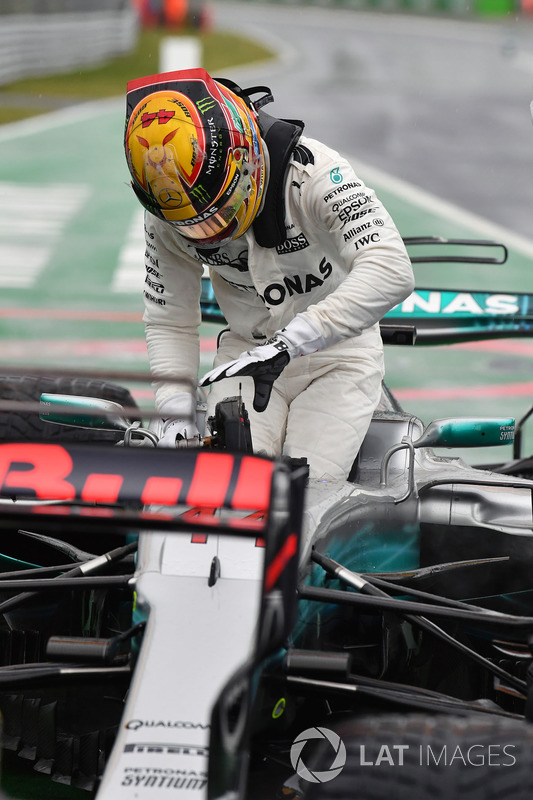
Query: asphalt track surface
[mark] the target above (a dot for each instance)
(434, 114)
(440, 103)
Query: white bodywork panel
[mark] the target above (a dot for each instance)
(196, 637)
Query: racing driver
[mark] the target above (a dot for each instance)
(303, 258)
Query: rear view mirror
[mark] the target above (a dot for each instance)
(467, 432)
(83, 412)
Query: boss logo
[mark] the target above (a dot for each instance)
(293, 245)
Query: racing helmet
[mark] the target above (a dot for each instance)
(195, 154)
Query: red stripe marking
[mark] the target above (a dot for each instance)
(499, 346)
(467, 392)
(152, 80)
(210, 480)
(101, 488)
(63, 510)
(253, 484)
(12, 348)
(163, 491)
(280, 561)
(67, 313)
(198, 514)
(96, 512)
(258, 515)
(514, 347)
(142, 394)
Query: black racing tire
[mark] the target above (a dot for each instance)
(474, 757)
(20, 426)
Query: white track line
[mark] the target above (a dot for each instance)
(64, 116)
(435, 205)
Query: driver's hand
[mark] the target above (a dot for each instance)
(264, 363)
(177, 427)
(179, 433)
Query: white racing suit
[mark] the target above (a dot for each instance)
(342, 266)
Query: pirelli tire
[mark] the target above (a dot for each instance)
(427, 757)
(17, 425)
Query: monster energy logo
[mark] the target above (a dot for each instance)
(205, 104)
(200, 194)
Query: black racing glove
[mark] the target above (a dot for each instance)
(264, 363)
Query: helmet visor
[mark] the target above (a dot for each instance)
(221, 220)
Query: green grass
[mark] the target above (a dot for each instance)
(221, 50)
(11, 114)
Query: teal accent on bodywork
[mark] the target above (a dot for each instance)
(468, 432)
(211, 311)
(9, 564)
(82, 412)
(366, 550)
(370, 550)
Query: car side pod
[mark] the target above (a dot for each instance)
(450, 432)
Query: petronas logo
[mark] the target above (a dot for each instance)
(205, 104)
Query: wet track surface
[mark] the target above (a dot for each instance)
(443, 104)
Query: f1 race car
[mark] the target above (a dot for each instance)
(209, 623)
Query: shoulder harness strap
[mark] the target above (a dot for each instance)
(281, 137)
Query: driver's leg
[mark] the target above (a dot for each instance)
(329, 419)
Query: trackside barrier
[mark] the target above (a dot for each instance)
(60, 6)
(452, 8)
(43, 44)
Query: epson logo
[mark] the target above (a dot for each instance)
(348, 213)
